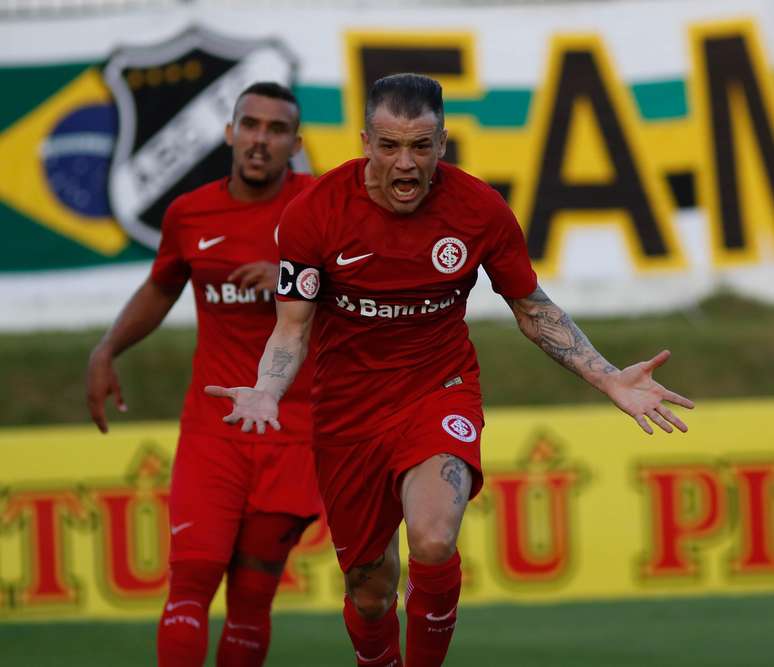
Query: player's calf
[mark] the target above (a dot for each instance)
(370, 609)
(376, 640)
(432, 594)
(183, 628)
(247, 629)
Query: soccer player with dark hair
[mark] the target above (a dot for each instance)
(382, 253)
(238, 503)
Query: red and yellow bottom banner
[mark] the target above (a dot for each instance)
(578, 504)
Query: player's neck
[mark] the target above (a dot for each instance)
(244, 191)
(374, 190)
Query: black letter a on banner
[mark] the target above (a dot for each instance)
(579, 77)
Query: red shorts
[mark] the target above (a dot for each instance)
(360, 482)
(216, 482)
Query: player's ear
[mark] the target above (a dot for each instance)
(299, 142)
(442, 143)
(229, 134)
(366, 143)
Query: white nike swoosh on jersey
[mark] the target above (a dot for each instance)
(363, 659)
(181, 526)
(340, 549)
(171, 606)
(237, 626)
(203, 245)
(349, 260)
(433, 617)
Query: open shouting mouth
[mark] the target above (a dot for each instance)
(405, 189)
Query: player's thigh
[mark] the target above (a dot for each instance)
(284, 479)
(435, 494)
(265, 539)
(362, 507)
(210, 484)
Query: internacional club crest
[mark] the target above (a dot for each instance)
(308, 283)
(174, 100)
(449, 255)
(459, 427)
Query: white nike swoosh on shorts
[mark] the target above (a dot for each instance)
(181, 526)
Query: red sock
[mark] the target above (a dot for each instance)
(376, 643)
(432, 594)
(183, 633)
(247, 630)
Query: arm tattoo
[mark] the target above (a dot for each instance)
(554, 331)
(453, 471)
(279, 362)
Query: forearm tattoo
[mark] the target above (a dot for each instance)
(280, 360)
(543, 322)
(453, 471)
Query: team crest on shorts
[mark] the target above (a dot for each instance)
(174, 99)
(459, 427)
(308, 283)
(449, 255)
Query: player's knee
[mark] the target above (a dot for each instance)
(432, 545)
(251, 587)
(197, 579)
(372, 605)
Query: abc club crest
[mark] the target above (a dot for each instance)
(174, 100)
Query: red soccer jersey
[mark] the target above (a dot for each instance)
(207, 234)
(393, 289)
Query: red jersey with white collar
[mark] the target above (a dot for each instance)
(391, 290)
(206, 234)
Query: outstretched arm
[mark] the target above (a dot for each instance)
(632, 389)
(282, 357)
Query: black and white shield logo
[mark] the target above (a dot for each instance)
(174, 100)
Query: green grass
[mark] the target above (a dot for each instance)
(723, 348)
(706, 632)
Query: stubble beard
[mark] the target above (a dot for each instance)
(259, 183)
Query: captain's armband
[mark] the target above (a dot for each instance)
(298, 281)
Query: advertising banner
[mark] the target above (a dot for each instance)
(578, 504)
(634, 140)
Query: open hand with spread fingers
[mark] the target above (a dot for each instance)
(634, 391)
(253, 406)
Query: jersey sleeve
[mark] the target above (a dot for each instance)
(300, 239)
(507, 263)
(170, 268)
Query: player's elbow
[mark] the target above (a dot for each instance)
(292, 334)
